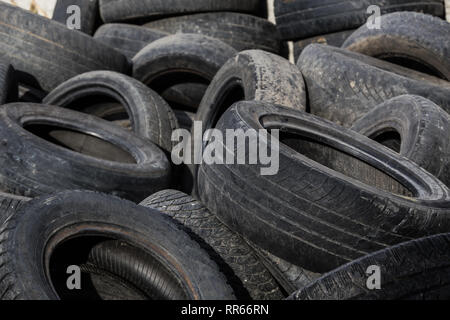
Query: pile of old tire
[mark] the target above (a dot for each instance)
(333, 21)
(107, 190)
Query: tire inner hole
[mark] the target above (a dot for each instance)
(389, 138)
(110, 269)
(80, 142)
(344, 163)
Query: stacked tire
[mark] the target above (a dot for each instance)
(167, 150)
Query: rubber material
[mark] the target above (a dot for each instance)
(331, 212)
(89, 14)
(414, 39)
(240, 31)
(420, 130)
(245, 273)
(125, 10)
(46, 149)
(415, 270)
(46, 53)
(299, 19)
(31, 238)
(150, 116)
(343, 85)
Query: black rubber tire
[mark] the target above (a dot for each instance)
(415, 270)
(185, 96)
(126, 38)
(129, 10)
(31, 238)
(150, 116)
(47, 53)
(416, 128)
(30, 94)
(256, 75)
(335, 39)
(240, 31)
(133, 267)
(9, 204)
(288, 275)
(8, 83)
(299, 19)
(185, 119)
(331, 213)
(237, 261)
(343, 85)
(193, 54)
(39, 160)
(416, 40)
(89, 14)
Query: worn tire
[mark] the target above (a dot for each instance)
(39, 160)
(416, 128)
(240, 31)
(126, 38)
(335, 39)
(240, 264)
(150, 116)
(411, 39)
(8, 83)
(299, 19)
(415, 270)
(126, 10)
(46, 53)
(89, 14)
(314, 212)
(252, 75)
(32, 268)
(343, 85)
(288, 275)
(9, 205)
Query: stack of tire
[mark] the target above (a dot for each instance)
(92, 207)
(331, 22)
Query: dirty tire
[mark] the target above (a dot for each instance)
(335, 39)
(185, 96)
(360, 83)
(252, 75)
(47, 53)
(150, 116)
(30, 94)
(126, 38)
(185, 119)
(59, 150)
(240, 31)
(128, 10)
(299, 19)
(314, 212)
(415, 270)
(8, 83)
(414, 127)
(191, 55)
(290, 277)
(89, 13)
(9, 204)
(415, 40)
(24, 247)
(238, 261)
